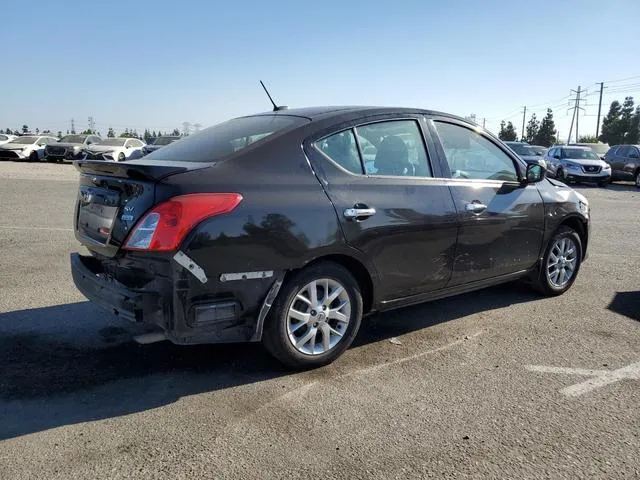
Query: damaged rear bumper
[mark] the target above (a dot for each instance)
(189, 310)
(111, 295)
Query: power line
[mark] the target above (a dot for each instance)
(622, 79)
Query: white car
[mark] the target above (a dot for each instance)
(6, 138)
(115, 149)
(26, 147)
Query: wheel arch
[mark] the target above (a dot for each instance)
(357, 268)
(580, 227)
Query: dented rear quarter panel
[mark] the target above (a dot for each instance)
(284, 222)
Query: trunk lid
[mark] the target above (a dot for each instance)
(112, 197)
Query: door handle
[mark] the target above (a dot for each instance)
(359, 213)
(475, 207)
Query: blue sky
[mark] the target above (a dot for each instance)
(157, 64)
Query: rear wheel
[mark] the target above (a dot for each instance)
(561, 262)
(315, 318)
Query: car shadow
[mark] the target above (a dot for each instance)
(627, 304)
(72, 363)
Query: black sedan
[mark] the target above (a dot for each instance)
(279, 228)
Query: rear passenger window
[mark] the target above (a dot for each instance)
(393, 148)
(471, 155)
(342, 149)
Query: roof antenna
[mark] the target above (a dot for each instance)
(275, 107)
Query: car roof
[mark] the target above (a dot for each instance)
(318, 113)
(575, 147)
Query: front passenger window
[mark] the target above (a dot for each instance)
(471, 155)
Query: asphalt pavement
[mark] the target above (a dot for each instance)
(500, 383)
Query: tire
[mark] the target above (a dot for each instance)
(309, 326)
(548, 283)
(121, 157)
(34, 157)
(560, 175)
(603, 184)
(636, 179)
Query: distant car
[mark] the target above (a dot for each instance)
(539, 150)
(115, 149)
(599, 149)
(70, 147)
(27, 147)
(579, 164)
(625, 162)
(159, 143)
(525, 152)
(6, 138)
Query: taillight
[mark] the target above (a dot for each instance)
(164, 227)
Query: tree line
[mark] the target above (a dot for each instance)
(622, 124)
(536, 133)
(147, 135)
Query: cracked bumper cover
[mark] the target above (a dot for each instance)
(233, 312)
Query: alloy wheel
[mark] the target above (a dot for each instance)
(562, 262)
(318, 316)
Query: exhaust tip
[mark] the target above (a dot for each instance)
(147, 338)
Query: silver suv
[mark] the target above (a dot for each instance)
(577, 164)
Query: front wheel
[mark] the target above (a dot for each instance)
(315, 317)
(34, 157)
(561, 263)
(560, 175)
(121, 157)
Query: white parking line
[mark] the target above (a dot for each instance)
(599, 378)
(53, 229)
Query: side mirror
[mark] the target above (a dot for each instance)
(535, 173)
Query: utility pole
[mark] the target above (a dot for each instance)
(73, 126)
(599, 108)
(92, 125)
(577, 112)
(573, 116)
(524, 114)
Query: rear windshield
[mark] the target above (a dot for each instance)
(219, 141)
(599, 148)
(521, 149)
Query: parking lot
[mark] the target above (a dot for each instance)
(500, 383)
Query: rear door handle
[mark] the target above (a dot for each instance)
(475, 207)
(360, 213)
